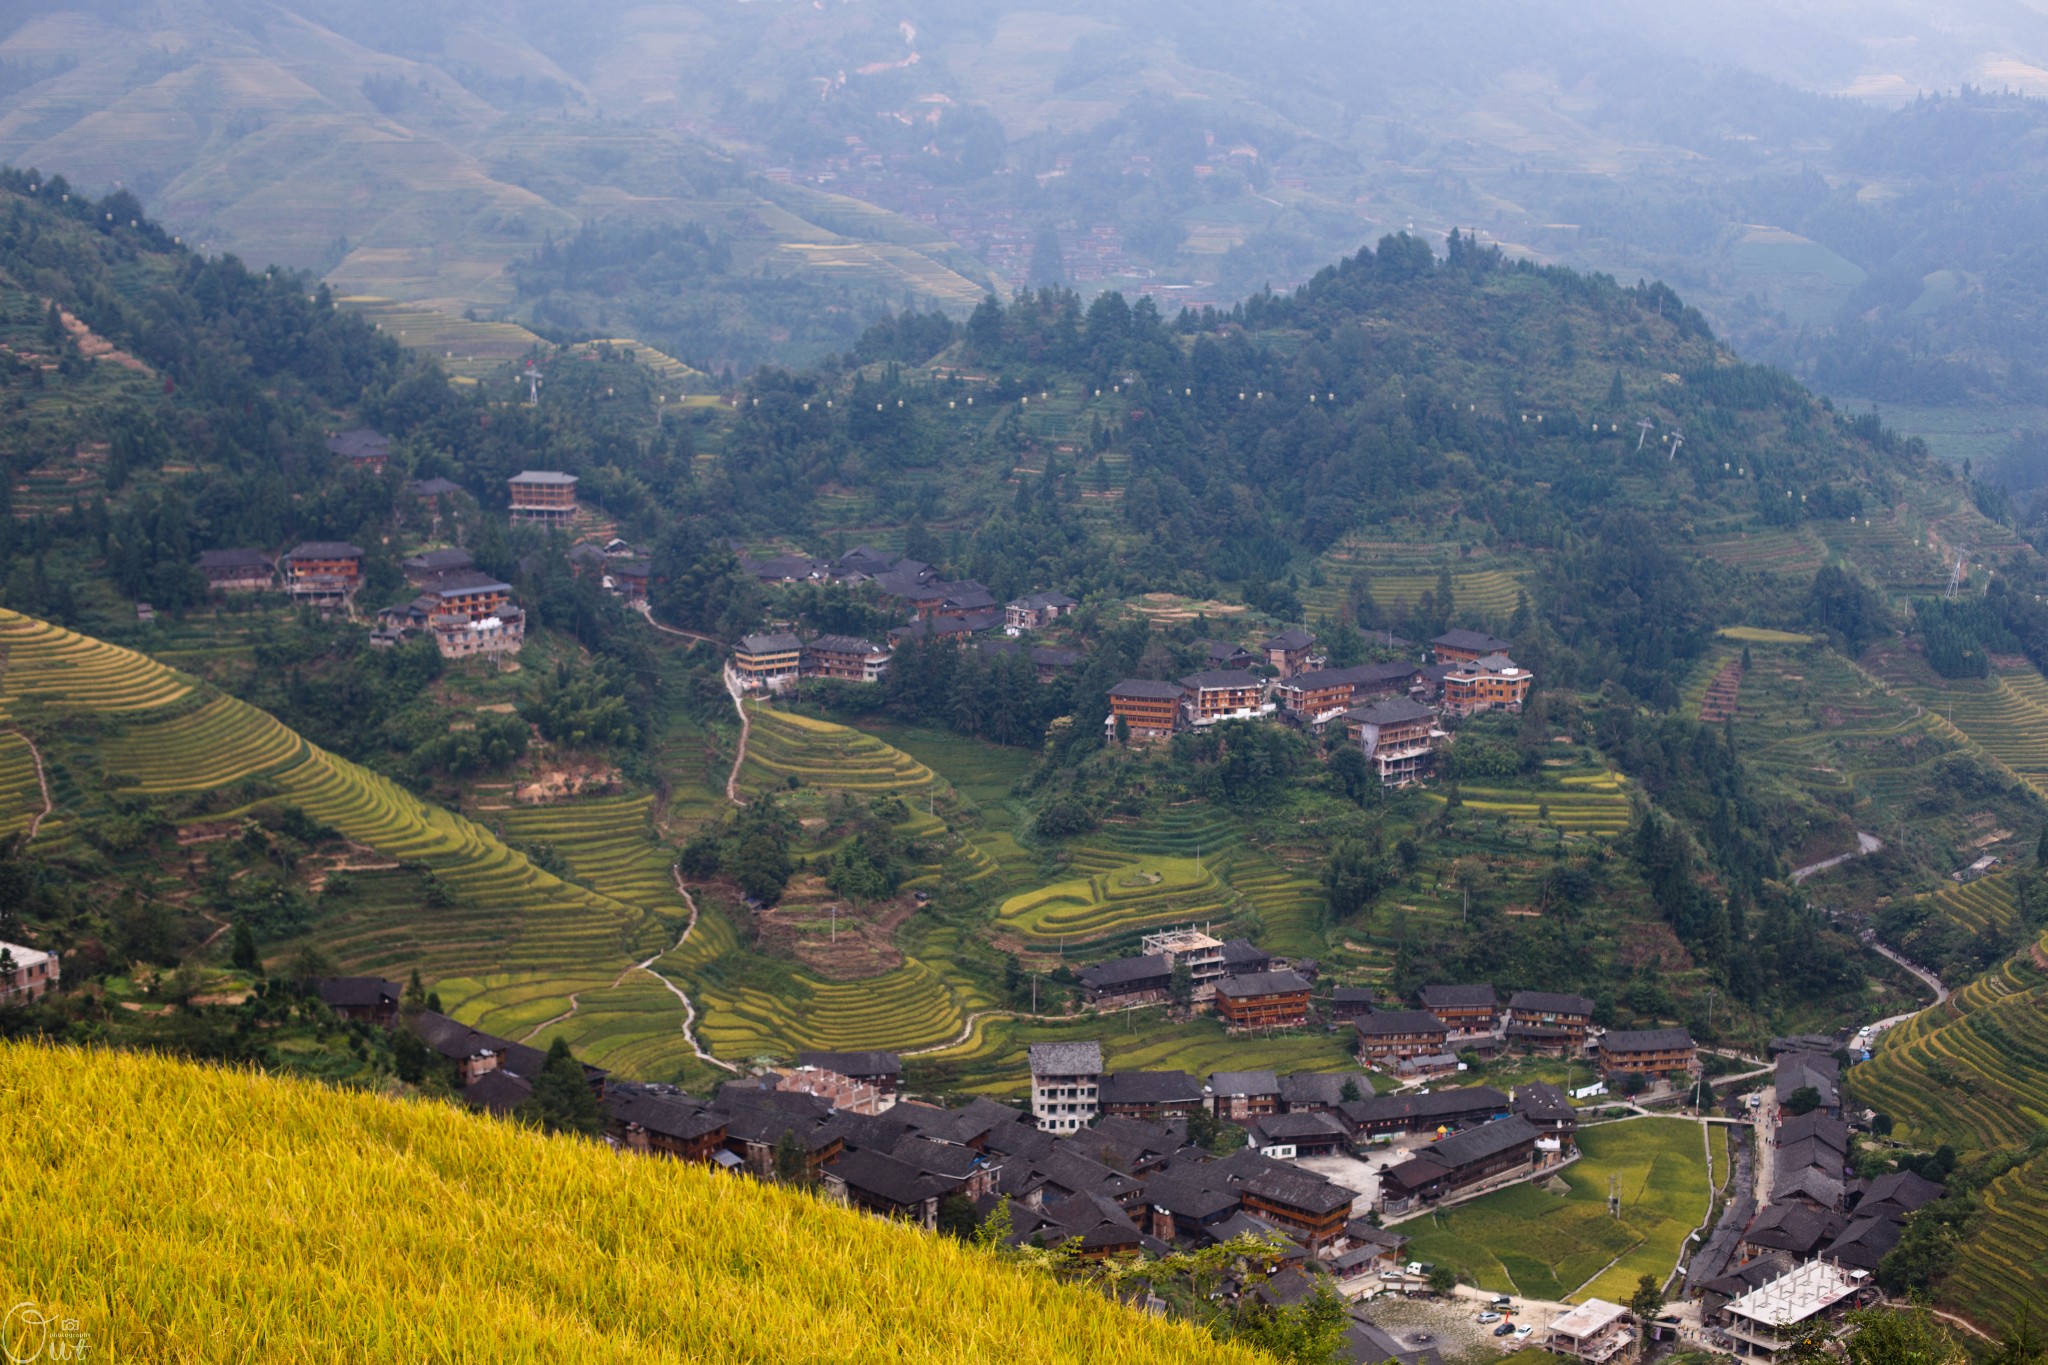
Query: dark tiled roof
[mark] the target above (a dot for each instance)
(1066, 1059)
(943, 1159)
(326, 549)
(1487, 1140)
(1052, 656)
(542, 477)
(1274, 1128)
(438, 561)
(1792, 1227)
(1122, 971)
(1392, 711)
(1290, 639)
(356, 992)
(1541, 1102)
(1254, 985)
(779, 642)
(1478, 641)
(1646, 1040)
(1386, 1023)
(854, 1064)
(1245, 1083)
(457, 582)
(1238, 955)
(1150, 1087)
(1548, 1002)
(842, 644)
(1041, 601)
(1865, 1242)
(234, 559)
(674, 1116)
(497, 1092)
(1352, 995)
(1218, 678)
(883, 1176)
(1904, 1189)
(1300, 1190)
(1417, 1108)
(360, 444)
(1831, 1132)
(1148, 689)
(1321, 1087)
(435, 487)
(1457, 997)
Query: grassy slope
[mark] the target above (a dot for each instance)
(211, 1215)
(1532, 1242)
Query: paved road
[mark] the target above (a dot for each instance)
(1711, 1260)
(1865, 844)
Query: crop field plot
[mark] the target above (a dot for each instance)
(1118, 900)
(819, 753)
(1973, 1072)
(1592, 804)
(1529, 1240)
(2006, 1255)
(21, 796)
(2006, 714)
(1767, 551)
(1399, 572)
(471, 350)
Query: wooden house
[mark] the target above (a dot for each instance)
(1222, 694)
(1398, 737)
(1287, 652)
(1242, 1095)
(771, 660)
(362, 448)
(371, 999)
(659, 1120)
(1466, 646)
(1547, 1021)
(1492, 1151)
(426, 567)
(1149, 1095)
(1126, 980)
(1309, 1208)
(1647, 1052)
(544, 497)
(1385, 1037)
(1463, 1009)
(1263, 1000)
(1492, 683)
(237, 570)
(323, 570)
(1149, 709)
(1036, 611)
(845, 657)
(430, 491)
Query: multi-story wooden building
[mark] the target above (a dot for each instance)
(1151, 1095)
(1309, 1208)
(662, 1121)
(770, 660)
(1222, 694)
(1148, 709)
(1126, 980)
(845, 657)
(1466, 646)
(425, 569)
(1287, 653)
(1398, 736)
(1350, 1002)
(362, 448)
(1463, 1009)
(1647, 1052)
(1386, 1037)
(371, 999)
(545, 497)
(1495, 682)
(323, 570)
(237, 570)
(1492, 1151)
(1244, 1095)
(1318, 697)
(430, 491)
(863, 1082)
(1263, 1000)
(1037, 610)
(468, 594)
(1545, 1021)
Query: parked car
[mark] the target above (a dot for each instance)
(1487, 1317)
(1522, 1332)
(1506, 1329)
(1393, 1275)
(1501, 1301)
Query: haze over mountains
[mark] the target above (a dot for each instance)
(822, 162)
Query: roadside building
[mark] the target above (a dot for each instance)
(1287, 653)
(1286, 1137)
(1770, 1318)
(1647, 1052)
(1398, 736)
(1545, 1021)
(1815, 1071)
(1550, 1110)
(772, 660)
(1066, 1084)
(1217, 695)
(431, 491)
(1494, 683)
(1466, 646)
(1350, 1002)
(1148, 709)
(1307, 1207)
(864, 1082)
(1595, 1332)
(543, 497)
(1413, 1111)
(846, 657)
(1151, 1095)
(657, 1120)
(1216, 654)
(237, 570)
(1386, 1037)
(628, 580)
(27, 973)
(1263, 1000)
(1463, 1009)
(1205, 956)
(1490, 1152)
(1126, 980)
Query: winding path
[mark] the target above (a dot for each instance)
(1925, 977)
(42, 781)
(732, 689)
(689, 1009)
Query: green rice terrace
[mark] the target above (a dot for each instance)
(1555, 1239)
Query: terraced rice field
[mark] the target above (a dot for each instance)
(819, 753)
(2001, 1267)
(1767, 551)
(2006, 714)
(1589, 804)
(1566, 1247)
(1973, 1072)
(469, 350)
(993, 1060)
(1986, 903)
(1400, 572)
(1117, 900)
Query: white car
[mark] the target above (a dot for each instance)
(1522, 1332)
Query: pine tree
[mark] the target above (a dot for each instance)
(562, 1101)
(243, 955)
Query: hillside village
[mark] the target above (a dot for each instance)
(1330, 1177)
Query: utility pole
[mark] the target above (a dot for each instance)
(1034, 992)
(835, 924)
